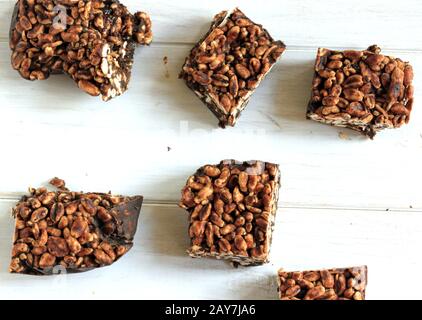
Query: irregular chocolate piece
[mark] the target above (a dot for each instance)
(71, 232)
(333, 284)
(229, 63)
(93, 41)
(232, 208)
(362, 90)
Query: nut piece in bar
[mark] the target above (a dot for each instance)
(232, 208)
(362, 90)
(63, 231)
(333, 284)
(228, 64)
(92, 41)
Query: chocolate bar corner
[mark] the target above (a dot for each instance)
(331, 284)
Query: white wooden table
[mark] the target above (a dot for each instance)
(345, 200)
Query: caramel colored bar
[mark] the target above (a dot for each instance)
(362, 90)
(62, 231)
(333, 284)
(232, 208)
(229, 63)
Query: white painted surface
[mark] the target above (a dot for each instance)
(157, 267)
(50, 128)
(332, 23)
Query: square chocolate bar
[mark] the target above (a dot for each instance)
(232, 208)
(62, 231)
(333, 284)
(362, 90)
(228, 64)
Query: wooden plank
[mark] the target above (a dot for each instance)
(152, 138)
(358, 23)
(303, 239)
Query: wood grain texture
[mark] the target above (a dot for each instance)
(358, 23)
(303, 239)
(336, 184)
(152, 138)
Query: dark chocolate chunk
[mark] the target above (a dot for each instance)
(64, 231)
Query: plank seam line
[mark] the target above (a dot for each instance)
(289, 47)
(300, 48)
(173, 204)
(316, 207)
